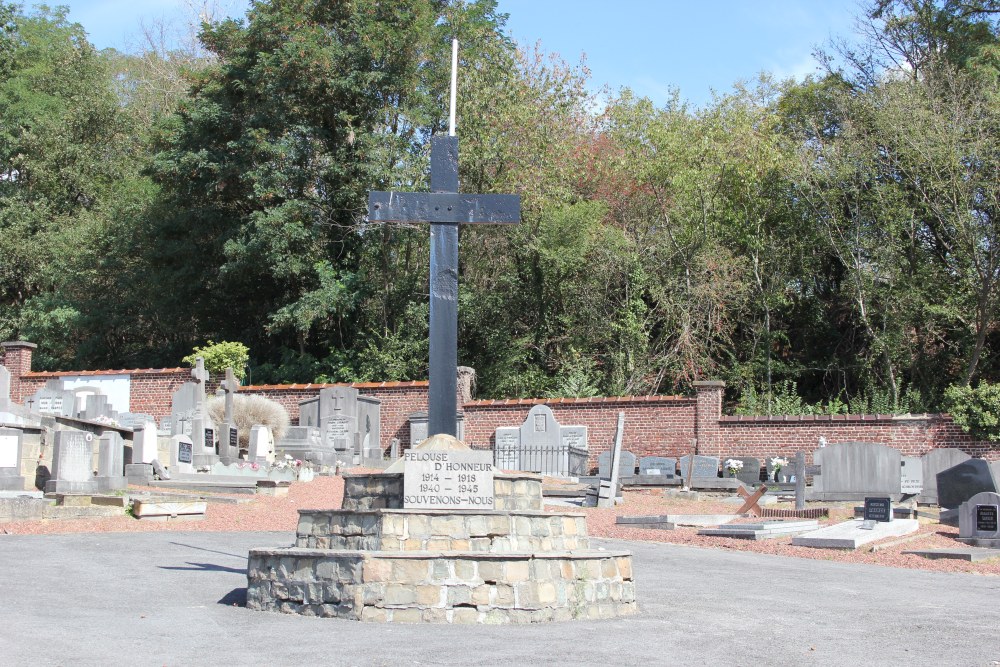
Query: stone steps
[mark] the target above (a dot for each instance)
(442, 586)
(422, 530)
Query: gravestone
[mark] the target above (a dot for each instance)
(542, 445)
(933, 462)
(11, 442)
(626, 464)
(348, 423)
(784, 474)
(182, 409)
(878, 509)
(961, 482)
(911, 475)
(111, 463)
(978, 518)
(418, 427)
(854, 470)
(261, 445)
(658, 465)
(229, 443)
(53, 400)
(144, 443)
(94, 406)
(72, 463)
(705, 467)
(306, 443)
(749, 474)
(203, 434)
(134, 420)
(181, 454)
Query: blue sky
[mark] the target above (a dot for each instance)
(650, 46)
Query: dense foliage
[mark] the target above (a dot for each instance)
(823, 246)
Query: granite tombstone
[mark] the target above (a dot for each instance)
(961, 482)
(705, 467)
(72, 463)
(658, 465)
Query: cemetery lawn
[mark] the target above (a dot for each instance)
(268, 513)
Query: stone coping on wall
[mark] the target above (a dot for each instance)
(319, 385)
(130, 371)
(502, 402)
(731, 419)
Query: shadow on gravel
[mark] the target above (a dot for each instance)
(235, 598)
(207, 567)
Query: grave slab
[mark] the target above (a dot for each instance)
(850, 534)
(766, 530)
(970, 554)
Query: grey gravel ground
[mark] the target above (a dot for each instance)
(168, 599)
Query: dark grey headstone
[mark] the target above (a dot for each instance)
(749, 474)
(866, 468)
(933, 462)
(705, 467)
(626, 464)
(658, 465)
(961, 482)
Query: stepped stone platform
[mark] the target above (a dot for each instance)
(373, 560)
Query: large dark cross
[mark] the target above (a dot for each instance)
(445, 209)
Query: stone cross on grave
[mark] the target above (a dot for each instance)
(445, 209)
(230, 385)
(200, 376)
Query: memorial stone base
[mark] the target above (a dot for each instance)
(372, 560)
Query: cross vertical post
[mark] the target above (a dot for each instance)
(442, 403)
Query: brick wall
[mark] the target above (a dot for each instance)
(654, 425)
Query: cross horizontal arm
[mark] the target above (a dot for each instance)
(443, 207)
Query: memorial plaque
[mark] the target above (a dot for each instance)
(540, 423)
(878, 509)
(338, 427)
(209, 438)
(185, 452)
(8, 451)
(234, 439)
(911, 475)
(451, 480)
(986, 518)
(573, 436)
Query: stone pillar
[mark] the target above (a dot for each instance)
(17, 359)
(465, 385)
(708, 411)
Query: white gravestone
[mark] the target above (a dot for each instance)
(911, 475)
(261, 445)
(181, 454)
(447, 480)
(144, 443)
(10, 460)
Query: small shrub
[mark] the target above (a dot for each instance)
(220, 356)
(249, 411)
(977, 410)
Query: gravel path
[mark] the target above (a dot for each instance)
(265, 513)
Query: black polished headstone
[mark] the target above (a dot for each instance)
(878, 509)
(986, 518)
(959, 483)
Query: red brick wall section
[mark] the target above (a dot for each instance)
(709, 410)
(911, 435)
(17, 359)
(654, 425)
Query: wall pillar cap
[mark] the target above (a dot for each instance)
(699, 384)
(18, 343)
